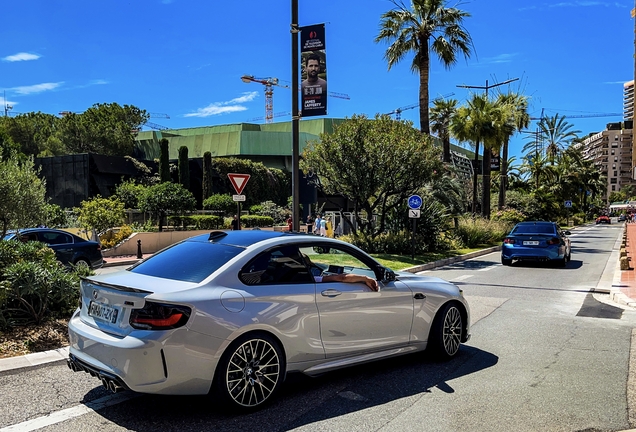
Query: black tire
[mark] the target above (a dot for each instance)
(446, 332)
(506, 261)
(250, 372)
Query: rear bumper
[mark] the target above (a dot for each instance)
(176, 362)
(530, 254)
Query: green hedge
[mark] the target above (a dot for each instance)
(254, 221)
(196, 222)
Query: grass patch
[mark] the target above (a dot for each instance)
(400, 262)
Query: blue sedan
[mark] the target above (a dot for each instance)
(536, 241)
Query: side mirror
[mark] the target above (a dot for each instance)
(388, 275)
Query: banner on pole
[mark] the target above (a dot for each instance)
(313, 58)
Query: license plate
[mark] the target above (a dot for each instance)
(531, 243)
(103, 312)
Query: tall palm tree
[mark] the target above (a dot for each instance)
(514, 117)
(428, 25)
(441, 114)
(474, 123)
(558, 134)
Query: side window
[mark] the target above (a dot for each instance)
(55, 238)
(332, 260)
(277, 266)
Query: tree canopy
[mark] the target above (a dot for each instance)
(377, 164)
(23, 195)
(429, 25)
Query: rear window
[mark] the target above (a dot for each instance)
(534, 229)
(190, 261)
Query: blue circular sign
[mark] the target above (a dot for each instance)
(415, 202)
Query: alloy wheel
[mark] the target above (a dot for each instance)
(253, 371)
(452, 331)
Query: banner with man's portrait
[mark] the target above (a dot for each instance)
(313, 87)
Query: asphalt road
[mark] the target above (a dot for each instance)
(546, 354)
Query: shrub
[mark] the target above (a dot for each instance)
(111, 238)
(251, 221)
(34, 286)
(224, 204)
(197, 222)
(270, 209)
(473, 232)
(509, 215)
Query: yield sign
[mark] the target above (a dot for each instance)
(238, 181)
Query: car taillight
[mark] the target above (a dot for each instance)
(159, 316)
(509, 241)
(554, 241)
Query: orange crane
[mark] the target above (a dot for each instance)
(269, 84)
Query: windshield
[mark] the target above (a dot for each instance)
(190, 261)
(534, 229)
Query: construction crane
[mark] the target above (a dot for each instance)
(584, 115)
(398, 111)
(269, 84)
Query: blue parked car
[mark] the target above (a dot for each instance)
(68, 248)
(536, 241)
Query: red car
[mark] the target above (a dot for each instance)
(603, 219)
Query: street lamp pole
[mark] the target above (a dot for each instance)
(295, 119)
(486, 87)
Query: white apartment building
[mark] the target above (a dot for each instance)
(611, 150)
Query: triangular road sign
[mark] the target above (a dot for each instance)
(238, 181)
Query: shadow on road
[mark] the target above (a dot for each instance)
(305, 400)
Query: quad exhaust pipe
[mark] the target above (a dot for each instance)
(109, 382)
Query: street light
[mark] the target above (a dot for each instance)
(486, 87)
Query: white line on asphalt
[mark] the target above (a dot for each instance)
(69, 413)
(487, 268)
(462, 277)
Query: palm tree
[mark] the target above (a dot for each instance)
(474, 123)
(556, 132)
(427, 26)
(514, 117)
(441, 114)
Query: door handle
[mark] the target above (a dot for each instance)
(331, 293)
(419, 296)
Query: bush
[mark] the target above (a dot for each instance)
(251, 221)
(197, 222)
(224, 204)
(473, 232)
(111, 238)
(34, 286)
(268, 208)
(509, 215)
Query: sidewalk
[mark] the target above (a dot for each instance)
(624, 285)
(123, 260)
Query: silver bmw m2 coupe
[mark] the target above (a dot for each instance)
(230, 313)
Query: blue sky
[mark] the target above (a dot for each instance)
(184, 58)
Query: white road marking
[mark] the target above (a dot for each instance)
(462, 277)
(69, 413)
(488, 268)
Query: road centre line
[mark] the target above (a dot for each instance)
(69, 413)
(462, 277)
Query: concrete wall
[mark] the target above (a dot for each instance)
(151, 242)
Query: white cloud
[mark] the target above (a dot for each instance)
(218, 108)
(501, 58)
(36, 88)
(21, 57)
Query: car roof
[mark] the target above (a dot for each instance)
(242, 238)
(536, 223)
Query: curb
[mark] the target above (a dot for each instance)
(451, 260)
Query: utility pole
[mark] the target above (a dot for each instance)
(295, 118)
